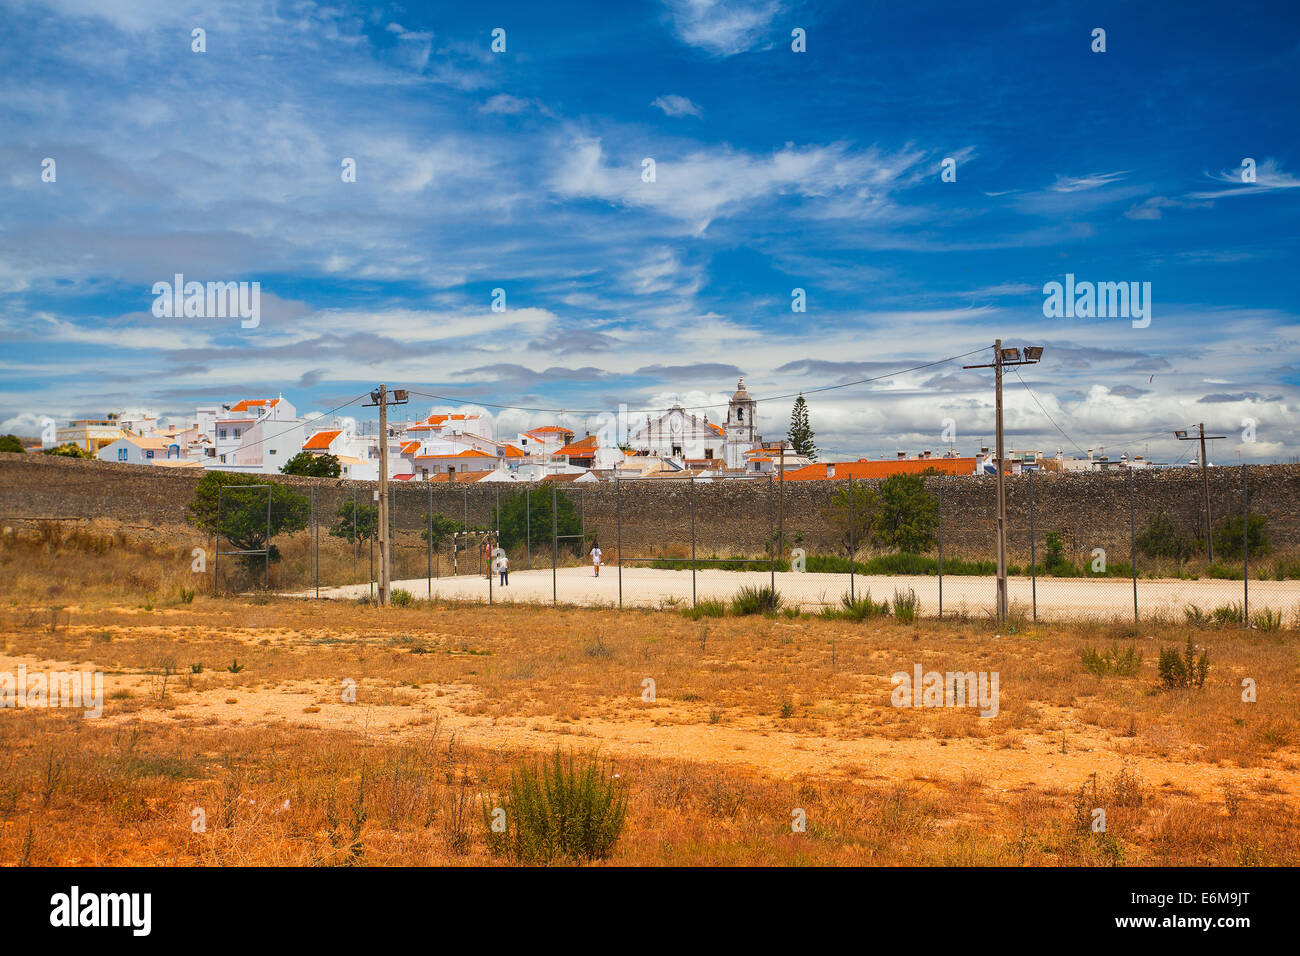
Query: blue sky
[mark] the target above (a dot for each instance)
(775, 170)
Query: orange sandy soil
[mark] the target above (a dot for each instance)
(751, 718)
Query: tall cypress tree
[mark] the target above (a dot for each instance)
(801, 433)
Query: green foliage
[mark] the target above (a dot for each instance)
(244, 513)
(898, 514)
(1183, 670)
(361, 527)
(235, 667)
(1226, 614)
(1228, 537)
(442, 528)
(801, 432)
(705, 608)
(11, 443)
(69, 450)
(401, 598)
(558, 810)
(1266, 620)
(1054, 559)
(1113, 662)
(1161, 539)
(755, 600)
(187, 595)
(533, 507)
(861, 608)
(313, 466)
(906, 605)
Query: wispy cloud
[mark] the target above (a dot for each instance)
(674, 105)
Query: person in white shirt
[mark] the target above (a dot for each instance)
(595, 557)
(503, 567)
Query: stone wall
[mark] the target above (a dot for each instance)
(731, 518)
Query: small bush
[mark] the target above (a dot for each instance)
(906, 606)
(706, 608)
(235, 667)
(1054, 559)
(187, 595)
(857, 609)
(1114, 662)
(756, 600)
(1195, 616)
(1266, 620)
(196, 668)
(1228, 614)
(1183, 670)
(558, 809)
(401, 598)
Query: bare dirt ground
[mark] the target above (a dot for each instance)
(1057, 598)
(238, 707)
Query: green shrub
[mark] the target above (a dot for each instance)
(1054, 559)
(1267, 620)
(856, 609)
(1228, 614)
(558, 810)
(1183, 670)
(1161, 539)
(187, 595)
(705, 608)
(906, 605)
(1115, 662)
(1195, 616)
(1228, 537)
(756, 600)
(401, 598)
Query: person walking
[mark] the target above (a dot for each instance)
(503, 568)
(595, 557)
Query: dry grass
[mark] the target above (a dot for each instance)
(760, 717)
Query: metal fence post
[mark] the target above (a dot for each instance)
(853, 543)
(618, 526)
(940, 546)
(555, 545)
(315, 543)
(1132, 535)
(216, 544)
(466, 515)
(528, 524)
(1245, 550)
(269, 490)
(771, 532)
(1033, 552)
(356, 537)
(428, 550)
(693, 540)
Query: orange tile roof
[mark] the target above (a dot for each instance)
(549, 430)
(884, 468)
(458, 476)
(717, 428)
(513, 452)
(248, 404)
(410, 446)
(582, 448)
(321, 440)
(468, 453)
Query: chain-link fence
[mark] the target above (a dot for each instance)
(1177, 544)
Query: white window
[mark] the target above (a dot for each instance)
(221, 434)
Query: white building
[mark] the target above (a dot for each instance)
(684, 436)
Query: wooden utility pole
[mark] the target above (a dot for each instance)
(380, 397)
(1004, 358)
(1205, 483)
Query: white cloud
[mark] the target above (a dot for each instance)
(1074, 184)
(674, 105)
(722, 27)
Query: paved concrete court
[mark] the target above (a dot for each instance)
(650, 587)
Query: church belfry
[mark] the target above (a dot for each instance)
(741, 426)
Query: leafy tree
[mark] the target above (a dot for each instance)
(801, 432)
(898, 514)
(1228, 535)
(243, 513)
(11, 443)
(1161, 539)
(1054, 560)
(857, 532)
(533, 507)
(367, 521)
(313, 466)
(443, 528)
(70, 450)
(905, 515)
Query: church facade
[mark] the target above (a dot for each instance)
(678, 433)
